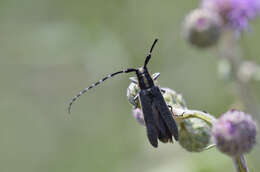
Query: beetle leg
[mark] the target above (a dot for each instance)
(136, 97)
(163, 90)
(170, 107)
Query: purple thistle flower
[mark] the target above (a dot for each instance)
(138, 115)
(235, 13)
(234, 133)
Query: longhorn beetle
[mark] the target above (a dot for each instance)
(157, 116)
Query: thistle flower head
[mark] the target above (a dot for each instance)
(173, 98)
(248, 70)
(194, 134)
(138, 115)
(234, 133)
(132, 91)
(235, 13)
(202, 28)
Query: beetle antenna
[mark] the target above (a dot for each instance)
(97, 83)
(148, 57)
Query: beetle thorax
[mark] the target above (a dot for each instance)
(145, 81)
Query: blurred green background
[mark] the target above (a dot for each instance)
(51, 49)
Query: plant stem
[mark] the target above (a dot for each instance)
(181, 114)
(229, 50)
(240, 164)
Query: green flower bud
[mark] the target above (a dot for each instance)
(194, 134)
(173, 99)
(132, 91)
(224, 69)
(248, 70)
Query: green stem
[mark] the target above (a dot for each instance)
(210, 146)
(186, 113)
(240, 163)
(229, 50)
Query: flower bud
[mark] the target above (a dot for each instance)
(248, 70)
(138, 115)
(194, 134)
(202, 28)
(173, 99)
(234, 133)
(225, 69)
(132, 91)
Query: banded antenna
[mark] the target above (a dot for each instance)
(148, 57)
(110, 76)
(97, 83)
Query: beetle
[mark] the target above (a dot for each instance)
(157, 115)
